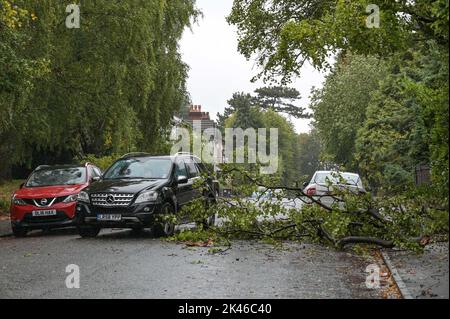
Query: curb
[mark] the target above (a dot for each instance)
(398, 280)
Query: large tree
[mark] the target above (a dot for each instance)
(246, 111)
(340, 105)
(280, 99)
(19, 72)
(284, 34)
(407, 123)
(112, 85)
(307, 156)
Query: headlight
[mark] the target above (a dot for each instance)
(70, 198)
(18, 201)
(148, 196)
(83, 197)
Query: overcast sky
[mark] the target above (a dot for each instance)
(218, 70)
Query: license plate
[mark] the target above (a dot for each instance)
(40, 213)
(109, 217)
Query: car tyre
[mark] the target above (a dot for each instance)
(137, 230)
(19, 231)
(88, 231)
(166, 228)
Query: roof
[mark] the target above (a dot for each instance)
(337, 172)
(52, 167)
(141, 154)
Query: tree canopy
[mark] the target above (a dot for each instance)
(110, 86)
(283, 34)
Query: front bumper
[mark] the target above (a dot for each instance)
(21, 216)
(140, 215)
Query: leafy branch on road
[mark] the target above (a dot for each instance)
(280, 212)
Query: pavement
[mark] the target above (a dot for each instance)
(5, 228)
(425, 276)
(120, 264)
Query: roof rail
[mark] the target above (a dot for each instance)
(41, 167)
(187, 153)
(134, 154)
(183, 153)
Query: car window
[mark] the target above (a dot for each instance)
(191, 167)
(91, 172)
(202, 169)
(149, 168)
(181, 169)
(61, 176)
(334, 178)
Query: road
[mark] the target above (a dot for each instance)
(118, 264)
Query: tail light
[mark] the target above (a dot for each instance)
(311, 191)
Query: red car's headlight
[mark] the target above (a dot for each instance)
(18, 201)
(71, 198)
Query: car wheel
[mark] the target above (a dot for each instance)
(137, 230)
(166, 228)
(88, 231)
(19, 231)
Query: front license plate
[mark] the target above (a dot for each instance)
(40, 213)
(109, 217)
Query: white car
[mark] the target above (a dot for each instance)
(325, 184)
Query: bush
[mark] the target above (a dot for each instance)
(4, 205)
(6, 190)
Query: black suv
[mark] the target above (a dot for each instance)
(138, 187)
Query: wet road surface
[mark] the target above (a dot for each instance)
(119, 264)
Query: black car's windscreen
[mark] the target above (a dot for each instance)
(148, 168)
(60, 176)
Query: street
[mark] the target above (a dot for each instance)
(119, 264)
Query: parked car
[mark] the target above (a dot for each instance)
(325, 185)
(138, 188)
(48, 198)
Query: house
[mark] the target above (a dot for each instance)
(203, 119)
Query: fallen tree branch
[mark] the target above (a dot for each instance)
(364, 240)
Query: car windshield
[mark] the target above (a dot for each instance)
(146, 168)
(337, 178)
(60, 176)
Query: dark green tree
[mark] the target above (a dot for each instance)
(280, 99)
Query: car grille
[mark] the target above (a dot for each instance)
(37, 201)
(111, 199)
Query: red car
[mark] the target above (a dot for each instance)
(48, 198)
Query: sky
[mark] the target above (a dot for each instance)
(217, 69)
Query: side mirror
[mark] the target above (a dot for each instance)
(95, 179)
(182, 179)
(22, 185)
(305, 184)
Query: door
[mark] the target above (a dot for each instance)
(194, 176)
(182, 190)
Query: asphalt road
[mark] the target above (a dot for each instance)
(118, 264)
